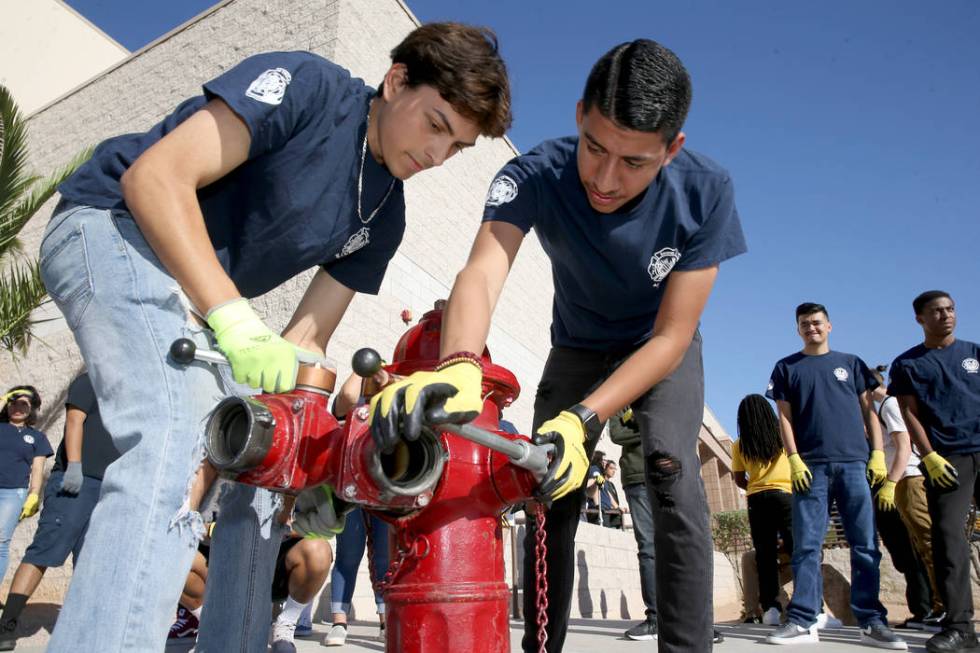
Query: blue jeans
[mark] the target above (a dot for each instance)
(350, 549)
(846, 484)
(11, 503)
(638, 499)
(125, 310)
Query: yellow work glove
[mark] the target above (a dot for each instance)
(568, 465)
(627, 418)
(877, 471)
(257, 356)
(30, 506)
(799, 473)
(940, 471)
(451, 394)
(599, 479)
(886, 495)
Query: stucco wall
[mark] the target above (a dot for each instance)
(47, 49)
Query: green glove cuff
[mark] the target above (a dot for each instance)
(231, 313)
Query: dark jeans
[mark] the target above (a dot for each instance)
(770, 517)
(895, 536)
(670, 417)
(846, 484)
(638, 499)
(950, 550)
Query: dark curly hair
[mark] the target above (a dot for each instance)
(35, 404)
(758, 430)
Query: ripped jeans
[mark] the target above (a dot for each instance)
(125, 310)
(669, 416)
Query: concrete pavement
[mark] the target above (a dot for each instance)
(597, 635)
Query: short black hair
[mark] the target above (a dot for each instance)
(919, 303)
(640, 85)
(35, 399)
(809, 308)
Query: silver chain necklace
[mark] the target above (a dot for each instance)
(360, 178)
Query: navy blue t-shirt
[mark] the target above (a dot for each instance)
(822, 392)
(610, 270)
(18, 449)
(946, 383)
(98, 451)
(293, 204)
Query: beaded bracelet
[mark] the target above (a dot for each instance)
(460, 357)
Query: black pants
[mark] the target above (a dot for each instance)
(770, 517)
(669, 416)
(895, 536)
(950, 550)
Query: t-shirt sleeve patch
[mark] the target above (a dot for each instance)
(511, 198)
(270, 86)
(776, 390)
(273, 93)
(502, 190)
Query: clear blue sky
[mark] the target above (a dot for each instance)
(852, 131)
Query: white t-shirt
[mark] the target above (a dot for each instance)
(891, 416)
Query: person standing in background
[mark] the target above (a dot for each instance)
(22, 452)
(760, 468)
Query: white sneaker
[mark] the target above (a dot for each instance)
(336, 636)
(794, 634)
(772, 617)
(825, 621)
(282, 631)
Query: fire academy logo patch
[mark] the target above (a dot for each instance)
(502, 190)
(971, 365)
(270, 86)
(840, 373)
(357, 240)
(661, 263)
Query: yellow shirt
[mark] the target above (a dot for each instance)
(774, 475)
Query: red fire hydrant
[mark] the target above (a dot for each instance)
(447, 591)
(443, 494)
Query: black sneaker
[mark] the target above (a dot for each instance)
(8, 641)
(934, 621)
(951, 640)
(717, 637)
(881, 636)
(912, 623)
(643, 631)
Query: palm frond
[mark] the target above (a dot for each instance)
(13, 221)
(14, 179)
(21, 291)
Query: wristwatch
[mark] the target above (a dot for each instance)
(590, 421)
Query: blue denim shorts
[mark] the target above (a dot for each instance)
(63, 522)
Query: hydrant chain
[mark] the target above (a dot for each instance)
(541, 576)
